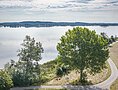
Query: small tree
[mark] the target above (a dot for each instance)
(5, 81)
(26, 71)
(113, 38)
(83, 49)
(30, 54)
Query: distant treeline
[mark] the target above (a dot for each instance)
(28, 24)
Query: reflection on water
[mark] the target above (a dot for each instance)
(11, 38)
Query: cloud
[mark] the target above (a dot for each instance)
(81, 1)
(27, 3)
(74, 5)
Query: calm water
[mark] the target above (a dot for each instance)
(11, 38)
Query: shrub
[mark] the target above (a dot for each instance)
(5, 81)
(59, 72)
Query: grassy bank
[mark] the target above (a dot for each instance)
(73, 76)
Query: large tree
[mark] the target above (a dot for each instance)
(83, 49)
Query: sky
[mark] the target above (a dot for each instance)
(59, 10)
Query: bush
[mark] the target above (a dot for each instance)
(5, 81)
(21, 79)
(60, 71)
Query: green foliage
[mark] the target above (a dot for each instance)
(59, 72)
(105, 36)
(110, 40)
(48, 70)
(5, 81)
(83, 49)
(31, 50)
(63, 70)
(26, 71)
(113, 39)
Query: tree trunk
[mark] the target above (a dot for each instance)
(81, 76)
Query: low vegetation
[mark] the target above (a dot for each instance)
(48, 71)
(5, 81)
(73, 77)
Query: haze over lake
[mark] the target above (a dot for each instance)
(11, 38)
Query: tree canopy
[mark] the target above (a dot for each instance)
(83, 49)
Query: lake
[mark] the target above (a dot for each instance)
(11, 38)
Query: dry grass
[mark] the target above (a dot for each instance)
(73, 76)
(114, 53)
(114, 56)
(102, 76)
(114, 86)
(65, 79)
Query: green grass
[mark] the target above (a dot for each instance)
(48, 71)
(114, 86)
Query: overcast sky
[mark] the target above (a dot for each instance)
(59, 10)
